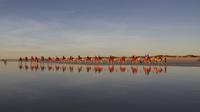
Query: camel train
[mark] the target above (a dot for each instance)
(157, 60)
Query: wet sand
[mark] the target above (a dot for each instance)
(183, 61)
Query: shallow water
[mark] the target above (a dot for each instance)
(60, 87)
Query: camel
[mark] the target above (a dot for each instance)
(122, 60)
(20, 59)
(111, 60)
(26, 59)
(42, 58)
(99, 60)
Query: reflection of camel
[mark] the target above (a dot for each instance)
(57, 68)
(42, 67)
(33, 66)
(71, 69)
(98, 69)
(91, 68)
(26, 67)
(122, 69)
(147, 69)
(157, 70)
(63, 68)
(88, 68)
(80, 69)
(165, 69)
(50, 68)
(111, 68)
(20, 66)
(134, 69)
(5, 62)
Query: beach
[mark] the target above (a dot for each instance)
(171, 61)
(183, 61)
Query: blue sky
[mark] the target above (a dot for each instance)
(99, 27)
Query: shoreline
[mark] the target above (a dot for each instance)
(184, 62)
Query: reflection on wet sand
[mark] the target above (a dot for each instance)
(4, 62)
(134, 69)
